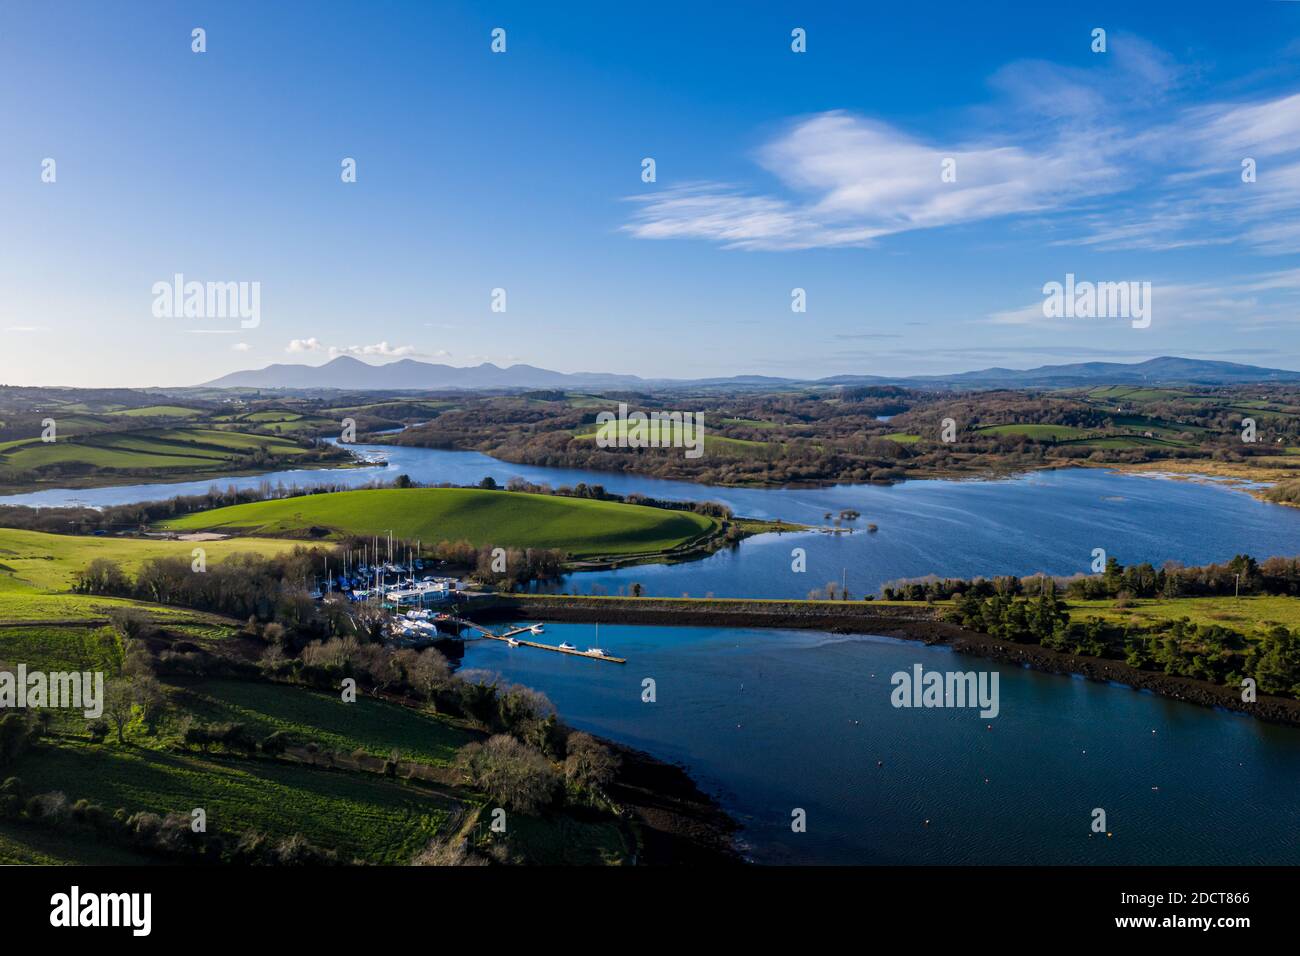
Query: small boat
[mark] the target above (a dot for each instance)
(537, 628)
(566, 646)
(512, 642)
(596, 652)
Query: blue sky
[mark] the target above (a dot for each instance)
(522, 171)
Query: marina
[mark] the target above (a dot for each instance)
(510, 637)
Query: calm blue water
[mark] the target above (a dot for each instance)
(774, 720)
(1045, 521)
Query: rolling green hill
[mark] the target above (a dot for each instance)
(52, 561)
(579, 526)
(363, 816)
(174, 449)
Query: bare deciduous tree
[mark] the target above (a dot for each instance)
(590, 765)
(510, 772)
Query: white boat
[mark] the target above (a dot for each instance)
(566, 646)
(596, 652)
(537, 628)
(512, 642)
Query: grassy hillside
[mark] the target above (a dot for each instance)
(36, 570)
(367, 724)
(52, 561)
(165, 449)
(578, 526)
(363, 816)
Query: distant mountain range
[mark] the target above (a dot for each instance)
(351, 374)
(1166, 370)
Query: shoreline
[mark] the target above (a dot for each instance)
(1227, 477)
(676, 823)
(908, 622)
(672, 821)
(1233, 476)
(95, 482)
(701, 546)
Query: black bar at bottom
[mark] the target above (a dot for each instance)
(457, 906)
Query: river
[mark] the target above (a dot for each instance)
(1043, 521)
(771, 721)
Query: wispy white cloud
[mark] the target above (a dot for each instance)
(1105, 151)
(859, 180)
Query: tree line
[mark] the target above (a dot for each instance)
(1180, 647)
(1241, 575)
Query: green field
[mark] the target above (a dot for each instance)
(903, 438)
(363, 816)
(587, 401)
(368, 724)
(60, 648)
(578, 526)
(1132, 393)
(281, 421)
(1242, 614)
(303, 424)
(36, 571)
(20, 601)
(23, 843)
(171, 449)
(160, 411)
(271, 415)
(1048, 432)
(52, 561)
